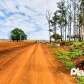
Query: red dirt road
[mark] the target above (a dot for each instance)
(32, 65)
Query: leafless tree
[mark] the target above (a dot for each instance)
(48, 17)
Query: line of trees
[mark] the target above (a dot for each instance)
(68, 19)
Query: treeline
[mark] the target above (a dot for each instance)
(67, 22)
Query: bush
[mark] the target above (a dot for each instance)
(64, 43)
(56, 37)
(78, 45)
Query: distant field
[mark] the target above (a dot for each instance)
(7, 44)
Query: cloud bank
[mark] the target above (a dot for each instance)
(26, 14)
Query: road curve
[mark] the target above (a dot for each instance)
(32, 65)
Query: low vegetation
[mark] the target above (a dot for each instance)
(67, 55)
(81, 80)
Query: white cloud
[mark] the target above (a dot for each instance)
(26, 14)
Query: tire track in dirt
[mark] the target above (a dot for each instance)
(9, 58)
(7, 75)
(41, 68)
(58, 69)
(35, 65)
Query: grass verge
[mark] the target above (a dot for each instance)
(67, 56)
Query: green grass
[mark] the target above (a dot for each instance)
(79, 45)
(67, 57)
(80, 80)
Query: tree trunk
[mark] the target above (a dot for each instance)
(55, 31)
(79, 33)
(65, 34)
(49, 33)
(61, 33)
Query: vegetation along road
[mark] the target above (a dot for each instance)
(32, 65)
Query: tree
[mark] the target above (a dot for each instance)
(76, 9)
(59, 19)
(81, 20)
(18, 34)
(69, 18)
(69, 14)
(55, 21)
(56, 37)
(62, 21)
(48, 17)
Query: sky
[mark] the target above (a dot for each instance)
(29, 15)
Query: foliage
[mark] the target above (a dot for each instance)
(69, 64)
(56, 36)
(78, 45)
(68, 17)
(54, 19)
(66, 43)
(80, 80)
(18, 34)
(67, 57)
(81, 20)
(59, 19)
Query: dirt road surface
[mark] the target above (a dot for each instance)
(32, 65)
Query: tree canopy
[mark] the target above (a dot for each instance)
(18, 34)
(68, 20)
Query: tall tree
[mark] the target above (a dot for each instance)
(54, 22)
(75, 6)
(69, 18)
(48, 17)
(62, 17)
(81, 20)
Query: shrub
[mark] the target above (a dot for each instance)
(78, 45)
(66, 43)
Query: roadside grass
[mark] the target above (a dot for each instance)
(80, 80)
(67, 56)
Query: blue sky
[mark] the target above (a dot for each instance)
(26, 14)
